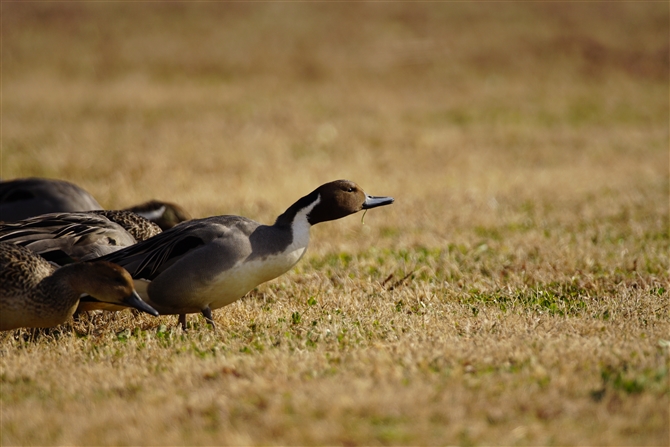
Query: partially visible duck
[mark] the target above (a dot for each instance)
(27, 197)
(204, 264)
(35, 293)
(79, 235)
(22, 198)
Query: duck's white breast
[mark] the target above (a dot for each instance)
(246, 274)
(237, 281)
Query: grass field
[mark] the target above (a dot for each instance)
(515, 294)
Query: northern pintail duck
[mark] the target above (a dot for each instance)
(35, 293)
(61, 237)
(22, 198)
(208, 263)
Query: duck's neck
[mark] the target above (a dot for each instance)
(296, 221)
(297, 215)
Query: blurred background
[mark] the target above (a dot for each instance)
(472, 115)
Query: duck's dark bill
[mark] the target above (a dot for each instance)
(135, 301)
(375, 201)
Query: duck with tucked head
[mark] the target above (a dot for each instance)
(205, 264)
(35, 293)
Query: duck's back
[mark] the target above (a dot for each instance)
(136, 225)
(27, 197)
(56, 236)
(20, 270)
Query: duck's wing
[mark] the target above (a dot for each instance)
(149, 258)
(60, 235)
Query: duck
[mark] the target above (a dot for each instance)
(204, 264)
(35, 293)
(64, 237)
(22, 198)
(27, 197)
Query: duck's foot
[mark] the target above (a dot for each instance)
(182, 321)
(207, 313)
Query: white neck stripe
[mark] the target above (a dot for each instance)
(303, 214)
(300, 230)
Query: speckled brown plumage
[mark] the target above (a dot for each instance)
(138, 227)
(35, 293)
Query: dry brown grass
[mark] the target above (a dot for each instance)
(515, 293)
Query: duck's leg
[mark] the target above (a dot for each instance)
(182, 321)
(207, 313)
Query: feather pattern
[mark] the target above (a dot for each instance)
(79, 235)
